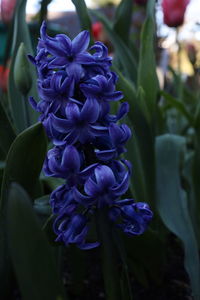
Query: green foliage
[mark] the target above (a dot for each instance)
(172, 202)
(22, 76)
(83, 15)
(20, 106)
(24, 161)
(147, 77)
(31, 254)
(124, 54)
(123, 19)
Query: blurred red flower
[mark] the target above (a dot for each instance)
(174, 11)
(97, 29)
(4, 73)
(7, 10)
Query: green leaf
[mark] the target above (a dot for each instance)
(7, 133)
(17, 102)
(179, 106)
(123, 52)
(42, 206)
(144, 149)
(24, 161)
(31, 254)
(83, 15)
(147, 77)
(140, 147)
(172, 203)
(22, 76)
(123, 19)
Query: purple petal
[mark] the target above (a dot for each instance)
(81, 42)
(104, 176)
(105, 155)
(54, 48)
(115, 133)
(85, 135)
(88, 246)
(91, 188)
(90, 111)
(33, 103)
(61, 125)
(90, 89)
(65, 42)
(76, 70)
(43, 30)
(71, 159)
(99, 130)
(123, 110)
(72, 111)
(87, 171)
(31, 59)
(115, 96)
(72, 137)
(121, 188)
(84, 59)
(82, 199)
(57, 62)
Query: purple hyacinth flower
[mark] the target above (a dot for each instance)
(61, 198)
(102, 188)
(122, 111)
(135, 217)
(102, 88)
(68, 54)
(80, 124)
(73, 230)
(102, 60)
(56, 90)
(119, 135)
(65, 162)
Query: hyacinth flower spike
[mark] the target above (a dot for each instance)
(76, 90)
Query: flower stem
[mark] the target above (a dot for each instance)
(109, 257)
(26, 112)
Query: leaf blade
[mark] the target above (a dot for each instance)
(123, 18)
(172, 205)
(19, 155)
(31, 254)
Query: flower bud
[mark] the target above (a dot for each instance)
(174, 11)
(4, 73)
(7, 10)
(22, 76)
(97, 29)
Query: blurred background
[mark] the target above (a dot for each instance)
(61, 16)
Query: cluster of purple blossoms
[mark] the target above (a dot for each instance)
(76, 88)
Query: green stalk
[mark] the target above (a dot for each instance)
(26, 112)
(109, 257)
